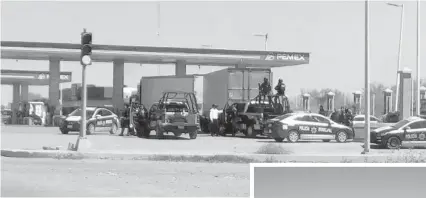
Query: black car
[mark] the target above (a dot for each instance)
(98, 120)
(412, 129)
(307, 126)
(6, 116)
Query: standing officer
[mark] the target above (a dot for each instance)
(342, 116)
(214, 126)
(231, 118)
(280, 88)
(322, 111)
(125, 120)
(265, 90)
(348, 117)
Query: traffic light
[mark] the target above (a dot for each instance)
(86, 48)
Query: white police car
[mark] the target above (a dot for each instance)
(307, 126)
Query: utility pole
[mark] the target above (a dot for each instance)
(399, 52)
(367, 79)
(418, 104)
(158, 31)
(266, 36)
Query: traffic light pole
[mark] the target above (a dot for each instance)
(82, 141)
(83, 102)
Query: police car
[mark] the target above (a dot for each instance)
(98, 120)
(307, 126)
(410, 130)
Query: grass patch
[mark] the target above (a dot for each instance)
(272, 149)
(206, 159)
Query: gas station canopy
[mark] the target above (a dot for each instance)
(152, 55)
(30, 77)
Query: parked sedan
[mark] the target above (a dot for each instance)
(359, 121)
(412, 129)
(98, 120)
(307, 126)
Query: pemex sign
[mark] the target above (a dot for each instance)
(46, 76)
(288, 56)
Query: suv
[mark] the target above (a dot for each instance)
(251, 117)
(176, 112)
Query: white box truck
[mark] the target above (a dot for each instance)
(152, 88)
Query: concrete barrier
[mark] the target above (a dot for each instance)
(221, 158)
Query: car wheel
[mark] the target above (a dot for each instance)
(90, 129)
(193, 134)
(177, 134)
(279, 139)
(326, 140)
(113, 129)
(393, 143)
(341, 136)
(293, 136)
(251, 132)
(64, 131)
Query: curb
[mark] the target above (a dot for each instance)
(217, 158)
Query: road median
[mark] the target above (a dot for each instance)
(210, 158)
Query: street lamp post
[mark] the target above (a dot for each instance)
(266, 39)
(158, 31)
(418, 60)
(207, 46)
(399, 51)
(367, 80)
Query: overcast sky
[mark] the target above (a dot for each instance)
(332, 31)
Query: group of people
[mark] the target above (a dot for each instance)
(343, 116)
(265, 90)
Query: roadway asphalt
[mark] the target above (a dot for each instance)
(94, 178)
(35, 137)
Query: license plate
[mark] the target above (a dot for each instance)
(70, 126)
(181, 127)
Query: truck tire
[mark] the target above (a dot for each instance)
(146, 132)
(64, 131)
(251, 132)
(177, 134)
(193, 134)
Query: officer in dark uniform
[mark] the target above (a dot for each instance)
(322, 111)
(342, 116)
(141, 119)
(231, 118)
(280, 88)
(125, 120)
(348, 117)
(265, 90)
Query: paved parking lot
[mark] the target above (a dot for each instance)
(34, 137)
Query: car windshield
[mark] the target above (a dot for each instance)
(359, 119)
(176, 107)
(401, 123)
(6, 113)
(282, 117)
(77, 112)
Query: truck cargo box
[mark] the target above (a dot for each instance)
(235, 84)
(152, 88)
